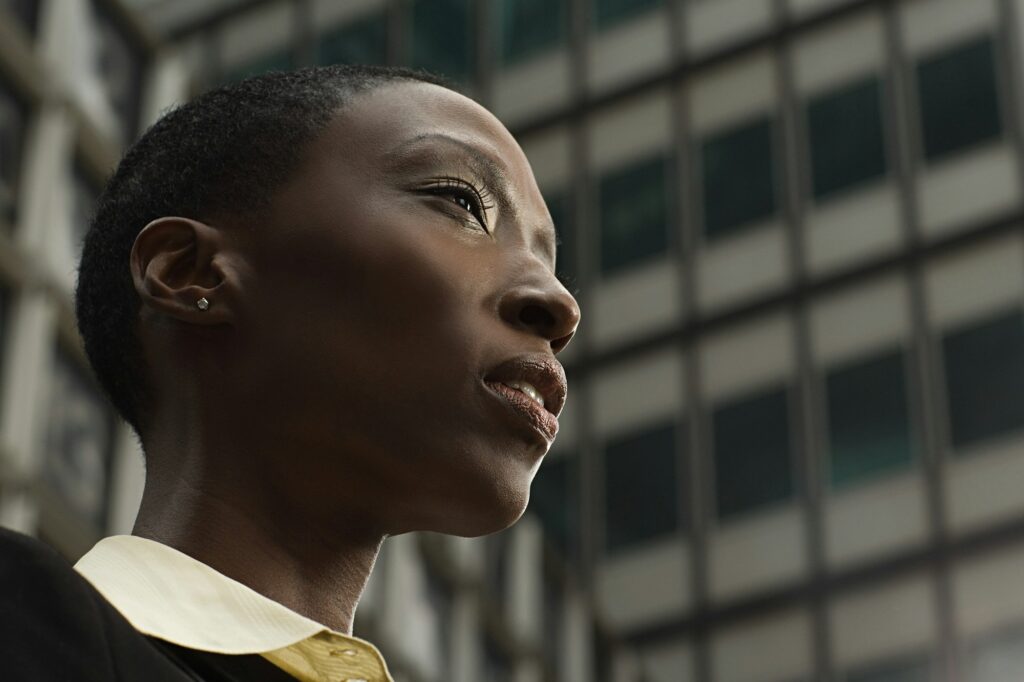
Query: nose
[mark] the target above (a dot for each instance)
(545, 308)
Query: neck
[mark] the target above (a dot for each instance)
(316, 569)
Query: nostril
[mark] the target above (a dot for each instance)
(537, 317)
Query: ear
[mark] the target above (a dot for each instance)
(176, 262)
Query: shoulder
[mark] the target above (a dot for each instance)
(54, 625)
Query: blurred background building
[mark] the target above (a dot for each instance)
(794, 444)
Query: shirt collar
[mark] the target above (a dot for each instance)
(169, 595)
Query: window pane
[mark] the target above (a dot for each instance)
(958, 99)
(634, 214)
(79, 441)
(442, 41)
(847, 140)
(640, 484)
(554, 497)
(609, 12)
(560, 208)
(985, 378)
(119, 64)
(12, 134)
(998, 657)
(25, 11)
(361, 42)
(910, 670)
(752, 462)
(529, 27)
(868, 419)
(739, 177)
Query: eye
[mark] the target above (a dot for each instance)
(463, 195)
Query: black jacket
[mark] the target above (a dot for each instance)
(54, 626)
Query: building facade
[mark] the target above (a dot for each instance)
(794, 444)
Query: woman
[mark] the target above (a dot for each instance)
(326, 302)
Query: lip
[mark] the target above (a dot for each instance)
(545, 374)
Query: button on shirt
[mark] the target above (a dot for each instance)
(169, 595)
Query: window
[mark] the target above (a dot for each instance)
(846, 137)
(12, 134)
(985, 378)
(497, 664)
(999, 657)
(915, 669)
(274, 61)
(868, 419)
(442, 37)
(554, 497)
(119, 64)
(560, 208)
(360, 42)
(641, 487)
(634, 214)
(752, 461)
(738, 173)
(958, 97)
(79, 441)
(610, 12)
(25, 11)
(530, 27)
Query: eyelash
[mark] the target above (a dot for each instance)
(477, 199)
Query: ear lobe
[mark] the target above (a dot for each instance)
(175, 264)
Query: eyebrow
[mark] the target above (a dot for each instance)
(483, 165)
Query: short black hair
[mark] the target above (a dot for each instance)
(225, 151)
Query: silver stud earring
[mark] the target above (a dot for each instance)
(202, 303)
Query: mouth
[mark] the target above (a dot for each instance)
(534, 387)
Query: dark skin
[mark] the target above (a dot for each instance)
(332, 393)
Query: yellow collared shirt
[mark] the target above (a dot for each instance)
(169, 595)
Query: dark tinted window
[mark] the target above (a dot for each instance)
(120, 63)
(274, 61)
(634, 214)
(846, 137)
(915, 669)
(985, 378)
(640, 487)
(12, 135)
(958, 97)
(441, 33)
(79, 441)
(554, 497)
(530, 27)
(752, 453)
(610, 12)
(25, 11)
(360, 42)
(560, 207)
(868, 419)
(738, 176)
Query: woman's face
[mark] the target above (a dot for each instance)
(396, 280)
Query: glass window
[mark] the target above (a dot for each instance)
(985, 378)
(868, 419)
(497, 664)
(752, 460)
(915, 669)
(25, 11)
(120, 65)
(554, 497)
(554, 610)
(529, 27)
(610, 12)
(847, 141)
(640, 487)
(634, 214)
(442, 37)
(79, 441)
(738, 175)
(12, 135)
(560, 208)
(360, 42)
(274, 61)
(999, 657)
(958, 97)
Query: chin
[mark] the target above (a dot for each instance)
(484, 514)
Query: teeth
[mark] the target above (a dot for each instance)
(527, 389)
